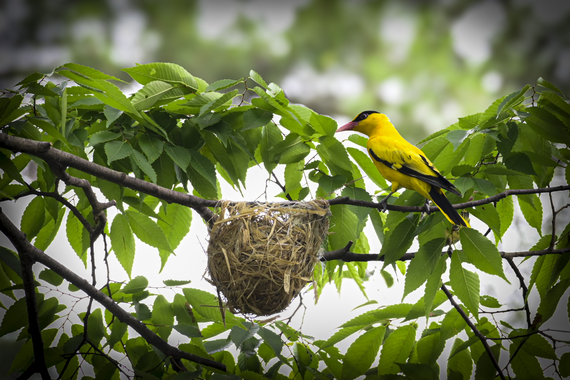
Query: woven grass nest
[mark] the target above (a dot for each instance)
(261, 255)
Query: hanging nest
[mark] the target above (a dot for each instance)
(260, 256)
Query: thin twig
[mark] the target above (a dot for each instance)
(477, 333)
(523, 287)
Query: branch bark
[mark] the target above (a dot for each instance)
(346, 255)
(473, 328)
(25, 249)
(45, 151)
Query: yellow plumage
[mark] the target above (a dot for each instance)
(402, 163)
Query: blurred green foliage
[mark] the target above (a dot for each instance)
(422, 63)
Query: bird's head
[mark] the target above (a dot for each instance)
(366, 122)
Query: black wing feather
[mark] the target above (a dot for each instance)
(439, 181)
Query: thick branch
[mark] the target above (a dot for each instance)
(26, 264)
(24, 247)
(477, 333)
(44, 151)
(346, 255)
(494, 198)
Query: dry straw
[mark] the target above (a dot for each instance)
(260, 256)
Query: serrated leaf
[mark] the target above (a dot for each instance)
(212, 105)
(368, 166)
(533, 215)
(116, 150)
(256, 118)
(537, 345)
(505, 209)
(434, 284)
(118, 331)
(334, 155)
(157, 92)
(374, 316)
(461, 364)
(423, 264)
(166, 72)
(189, 331)
(137, 284)
(151, 146)
(525, 366)
(340, 335)
(144, 165)
(488, 215)
(123, 242)
(147, 230)
(564, 365)
(324, 125)
(33, 218)
(396, 349)
(362, 353)
(481, 252)
(103, 136)
(15, 317)
(399, 240)
(272, 339)
(465, 284)
(162, 317)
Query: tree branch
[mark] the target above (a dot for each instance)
(23, 246)
(46, 152)
(26, 263)
(346, 255)
(477, 333)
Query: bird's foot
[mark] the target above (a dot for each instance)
(426, 207)
(384, 202)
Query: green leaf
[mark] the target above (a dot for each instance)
(452, 324)
(340, 335)
(272, 339)
(324, 125)
(533, 215)
(344, 226)
(549, 303)
(116, 150)
(564, 365)
(166, 72)
(374, 316)
(156, 93)
(525, 366)
(162, 317)
(465, 285)
(505, 209)
(399, 240)
(223, 84)
(51, 277)
(537, 345)
(49, 231)
(489, 301)
(418, 371)
(144, 165)
(488, 215)
(189, 331)
(33, 218)
(95, 327)
(77, 236)
(137, 284)
(147, 230)
(123, 242)
(15, 317)
(257, 78)
(334, 155)
(456, 137)
(270, 137)
(547, 125)
(222, 101)
(433, 285)
(423, 264)
(520, 162)
(118, 331)
(362, 353)
(89, 72)
(368, 166)
(103, 136)
(256, 118)
(151, 146)
(460, 365)
(481, 252)
(396, 349)
(291, 150)
(10, 169)
(208, 307)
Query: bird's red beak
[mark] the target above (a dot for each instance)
(348, 126)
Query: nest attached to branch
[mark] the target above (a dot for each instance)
(260, 256)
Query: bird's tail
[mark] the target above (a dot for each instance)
(446, 207)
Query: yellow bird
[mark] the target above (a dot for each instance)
(402, 163)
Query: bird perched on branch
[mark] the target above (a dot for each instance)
(402, 163)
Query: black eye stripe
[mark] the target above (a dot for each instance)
(363, 115)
